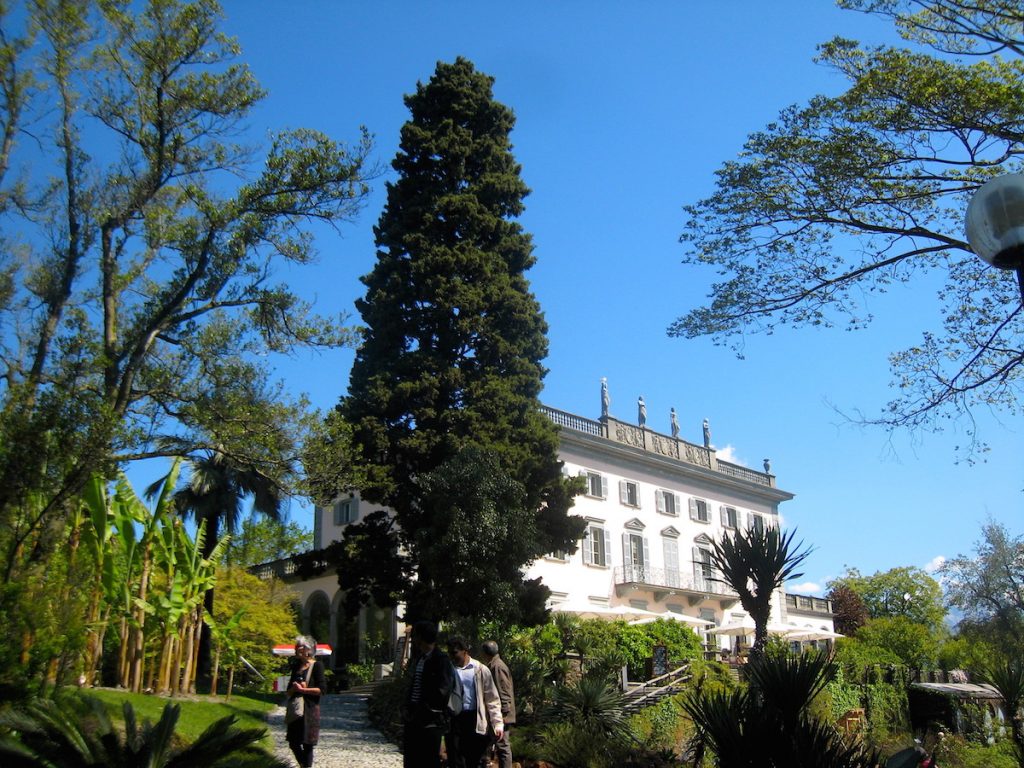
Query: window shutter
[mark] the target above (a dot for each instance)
(647, 557)
(623, 495)
(627, 558)
(607, 547)
(698, 572)
(604, 487)
(750, 521)
(588, 546)
(675, 503)
(725, 515)
(659, 501)
(693, 508)
(671, 549)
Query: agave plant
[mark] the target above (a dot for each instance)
(75, 732)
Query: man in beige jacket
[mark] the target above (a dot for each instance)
(468, 739)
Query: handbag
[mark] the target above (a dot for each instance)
(296, 706)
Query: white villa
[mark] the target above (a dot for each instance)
(653, 504)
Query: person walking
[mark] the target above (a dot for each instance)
(305, 687)
(506, 695)
(468, 738)
(426, 708)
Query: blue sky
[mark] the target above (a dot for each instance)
(624, 111)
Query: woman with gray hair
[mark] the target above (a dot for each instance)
(305, 687)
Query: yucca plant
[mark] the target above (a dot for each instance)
(76, 732)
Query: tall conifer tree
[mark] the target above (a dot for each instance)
(449, 370)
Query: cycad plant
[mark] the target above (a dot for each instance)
(75, 732)
(769, 724)
(588, 724)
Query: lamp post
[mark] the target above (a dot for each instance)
(995, 224)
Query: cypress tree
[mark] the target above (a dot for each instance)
(450, 366)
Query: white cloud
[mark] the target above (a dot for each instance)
(728, 453)
(935, 563)
(805, 588)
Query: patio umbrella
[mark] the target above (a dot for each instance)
(746, 627)
(287, 649)
(607, 612)
(692, 620)
(812, 633)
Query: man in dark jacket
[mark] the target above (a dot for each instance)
(426, 711)
(507, 696)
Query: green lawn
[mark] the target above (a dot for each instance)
(197, 712)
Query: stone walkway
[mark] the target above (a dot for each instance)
(347, 739)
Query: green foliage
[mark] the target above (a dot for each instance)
(985, 587)
(905, 591)
(915, 645)
(856, 655)
(772, 723)
(956, 752)
(260, 540)
(449, 370)
(78, 732)
(587, 723)
(139, 249)
(850, 196)
(267, 619)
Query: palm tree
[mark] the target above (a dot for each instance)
(73, 732)
(755, 563)
(216, 488)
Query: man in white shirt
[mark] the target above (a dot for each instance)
(467, 741)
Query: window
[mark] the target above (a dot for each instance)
(597, 546)
(670, 550)
(629, 493)
(597, 484)
(558, 554)
(345, 511)
(755, 523)
(636, 556)
(702, 570)
(730, 517)
(699, 511)
(667, 502)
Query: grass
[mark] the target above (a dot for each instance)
(197, 712)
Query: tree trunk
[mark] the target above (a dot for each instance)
(213, 676)
(231, 681)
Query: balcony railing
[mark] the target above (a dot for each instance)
(808, 604)
(661, 578)
(648, 440)
(275, 568)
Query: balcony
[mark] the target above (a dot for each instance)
(664, 583)
(811, 605)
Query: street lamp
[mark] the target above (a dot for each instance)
(995, 224)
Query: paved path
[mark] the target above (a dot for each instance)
(347, 739)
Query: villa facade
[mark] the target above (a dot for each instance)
(653, 504)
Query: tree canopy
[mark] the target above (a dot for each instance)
(848, 196)
(905, 591)
(988, 587)
(141, 235)
(451, 355)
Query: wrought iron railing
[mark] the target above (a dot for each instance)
(671, 579)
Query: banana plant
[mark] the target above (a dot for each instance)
(99, 539)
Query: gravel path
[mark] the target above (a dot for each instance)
(347, 740)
